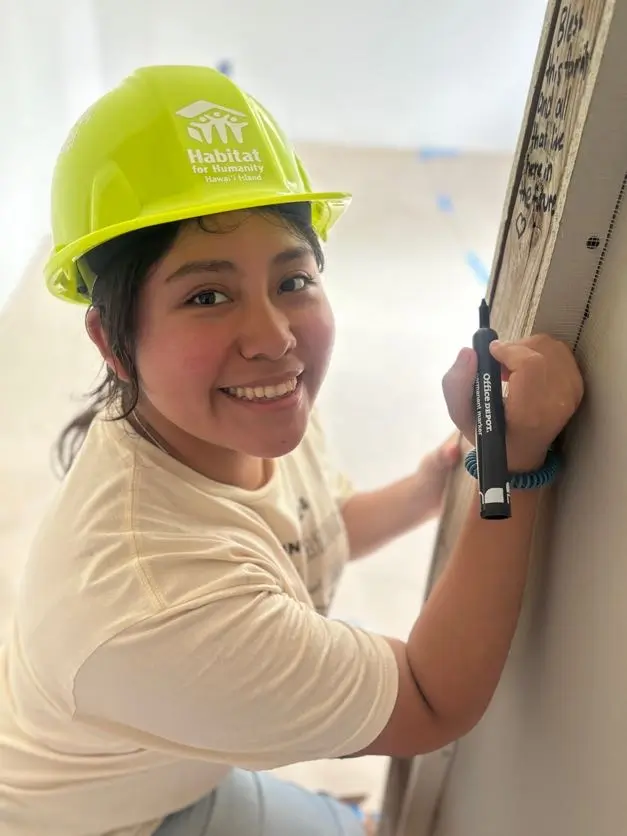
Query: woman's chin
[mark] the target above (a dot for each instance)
(273, 445)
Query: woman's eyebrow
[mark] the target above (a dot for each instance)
(292, 254)
(225, 266)
(203, 266)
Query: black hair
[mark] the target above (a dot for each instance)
(121, 266)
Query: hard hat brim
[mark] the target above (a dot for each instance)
(61, 273)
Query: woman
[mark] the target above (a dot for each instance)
(170, 640)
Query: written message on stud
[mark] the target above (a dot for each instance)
(566, 68)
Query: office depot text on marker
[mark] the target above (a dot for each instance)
(492, 469)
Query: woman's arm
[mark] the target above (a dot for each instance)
(373, 518)
(454, 657)
(451, 664)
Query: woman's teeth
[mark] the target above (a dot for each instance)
(263, 393)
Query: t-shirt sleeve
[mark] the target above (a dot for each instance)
(251, 678)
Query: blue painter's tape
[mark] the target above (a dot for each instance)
(445, 203)
(478, 268)
(435, 153)
(225, 67)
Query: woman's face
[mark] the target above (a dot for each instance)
(234, 339)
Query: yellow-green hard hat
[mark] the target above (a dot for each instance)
(170, 143)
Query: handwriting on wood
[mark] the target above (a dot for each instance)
(568, 62)
(546, 157)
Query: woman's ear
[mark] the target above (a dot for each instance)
(97, 335)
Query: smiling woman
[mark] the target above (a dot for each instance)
(170, 644)
(232, 333)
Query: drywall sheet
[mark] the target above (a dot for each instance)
(547, 758)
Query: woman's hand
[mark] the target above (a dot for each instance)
(545, 389)
(432, 477)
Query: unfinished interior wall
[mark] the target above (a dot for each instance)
(547, 758)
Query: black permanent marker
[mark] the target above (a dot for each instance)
(492, 470)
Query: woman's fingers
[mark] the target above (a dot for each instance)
(457, 385)
(544, 389)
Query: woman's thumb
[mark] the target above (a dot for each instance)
(450, 451)
(457, 385)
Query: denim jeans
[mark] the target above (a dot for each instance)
(259, 804)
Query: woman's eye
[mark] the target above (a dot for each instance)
(295, 283)
(208, 298)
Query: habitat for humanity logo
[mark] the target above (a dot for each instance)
(211, 124)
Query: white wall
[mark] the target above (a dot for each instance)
(411, 73)
(49, 72)
(334, 71)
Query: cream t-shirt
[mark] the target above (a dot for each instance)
(169, 627)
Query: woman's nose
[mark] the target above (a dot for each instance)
(265, 332)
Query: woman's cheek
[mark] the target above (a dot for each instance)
(317, 334)
(173, 360)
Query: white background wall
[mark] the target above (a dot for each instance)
(335, 71)
(49, 73)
